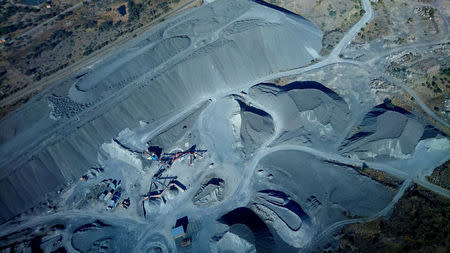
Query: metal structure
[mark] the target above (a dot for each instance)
(165, 187)
(159, 185)
(167, 159)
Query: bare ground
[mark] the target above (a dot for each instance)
(28, 60)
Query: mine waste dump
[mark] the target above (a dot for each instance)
(177, 141)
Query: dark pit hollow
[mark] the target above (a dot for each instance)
(263, 237)
(122, 10)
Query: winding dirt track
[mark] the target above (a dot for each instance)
(333, 58)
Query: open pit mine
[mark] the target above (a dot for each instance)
(178, 141)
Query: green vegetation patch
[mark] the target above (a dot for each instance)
(441, 176)
(379, 176)
(134, 10)
(419, 223)
(50, 43)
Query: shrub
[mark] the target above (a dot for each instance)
(134, 10)
(90, 24)
(3, 71)
(105, 25)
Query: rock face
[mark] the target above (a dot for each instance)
(308, 112)
(387, 132)
(210, 192)
(315, 185)
(256, 127)
(220, 46)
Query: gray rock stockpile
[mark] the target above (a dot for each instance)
(203, 52)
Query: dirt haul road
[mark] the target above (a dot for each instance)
(293, 145)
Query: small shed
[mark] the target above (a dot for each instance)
(180, 227)
(178, 232)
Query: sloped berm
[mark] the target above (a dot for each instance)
(308, 113)
(388, 132)
(154, 75)
(256, 127)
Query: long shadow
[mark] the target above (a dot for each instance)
(247, 108)
(290, 205)
(299, 85)
(370, 118)
(278, 8)
(263, 237)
